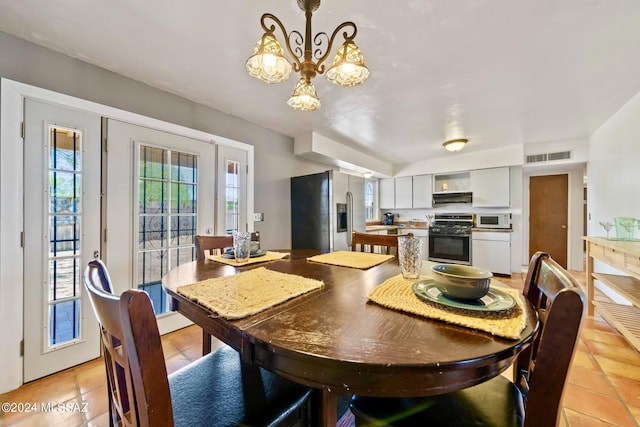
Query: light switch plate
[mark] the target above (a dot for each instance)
(258, 216)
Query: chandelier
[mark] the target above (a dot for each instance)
(269, 64)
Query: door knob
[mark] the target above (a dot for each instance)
(564, 227)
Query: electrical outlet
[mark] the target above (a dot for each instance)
(258, 216)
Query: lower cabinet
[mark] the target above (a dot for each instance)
(491, 250)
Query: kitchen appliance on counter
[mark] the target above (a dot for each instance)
(387, 218)
(502, 220)
(450, 238)
(325, 208)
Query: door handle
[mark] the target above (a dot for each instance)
(564, 227)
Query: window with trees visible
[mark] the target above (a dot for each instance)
(167, 217)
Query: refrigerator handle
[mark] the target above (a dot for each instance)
(349, 218)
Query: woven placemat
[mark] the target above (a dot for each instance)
(249, 292)
(268, 256)
(396, 293)
(362, 260)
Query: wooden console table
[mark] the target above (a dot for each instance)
(624, 256)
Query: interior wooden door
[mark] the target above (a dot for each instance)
(548, 216)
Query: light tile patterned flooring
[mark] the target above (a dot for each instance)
(603, 389)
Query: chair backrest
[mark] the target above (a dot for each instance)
(541, 369)
(208, 243)
(133, 354)
(368, 241)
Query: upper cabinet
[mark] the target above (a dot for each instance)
(454, 182)
(404, 192)
(490, 188)
(422, 191)
(386, 188)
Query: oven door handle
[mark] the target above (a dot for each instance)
(449, 235)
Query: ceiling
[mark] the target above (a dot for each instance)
(493, 71)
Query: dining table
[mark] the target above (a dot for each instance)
(338, 342)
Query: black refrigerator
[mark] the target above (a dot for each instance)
(325, 208)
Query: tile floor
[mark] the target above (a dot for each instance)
(603, 389)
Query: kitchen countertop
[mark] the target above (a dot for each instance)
(400, 226)
(499, 230)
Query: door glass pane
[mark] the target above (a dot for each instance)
(232, 194)
(165, 236)
(64, 235)
(369, 198)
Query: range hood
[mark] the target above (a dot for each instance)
(452, 197)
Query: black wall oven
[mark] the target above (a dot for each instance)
(450, 238)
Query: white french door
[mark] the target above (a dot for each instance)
(61, 235)
(161, 189)
(232, 190)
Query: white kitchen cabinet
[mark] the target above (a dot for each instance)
(386, 189)
(491, 250)
(490, 188)
(422, 191)
(404, 192)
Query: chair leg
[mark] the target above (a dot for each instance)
(206, 343)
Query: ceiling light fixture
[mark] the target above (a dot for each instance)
(367, 174)
(269, 64)
(455, 144)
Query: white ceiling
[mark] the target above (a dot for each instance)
(497, 72)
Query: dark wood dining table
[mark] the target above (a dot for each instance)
(337, 342)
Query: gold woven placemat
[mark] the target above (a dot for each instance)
(269, 256)
(396, 293)
(362, 260)
(249, 292)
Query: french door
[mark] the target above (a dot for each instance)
(61, 235)
(161, 190)
(232, 190)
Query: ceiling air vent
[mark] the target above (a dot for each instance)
(548, 157)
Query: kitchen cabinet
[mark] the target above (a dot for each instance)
(422, 191)
(490, 188)
(386, 189)
(404, 192)
(459, 181)
(625, 257)
(491, 250)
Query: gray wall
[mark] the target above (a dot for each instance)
(274, 161)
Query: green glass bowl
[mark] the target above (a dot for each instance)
(461, 281)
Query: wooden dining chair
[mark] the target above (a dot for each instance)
(367, 242)
(210, 243)
(533, 399)
(216, 390)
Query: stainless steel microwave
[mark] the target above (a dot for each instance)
(493, 220)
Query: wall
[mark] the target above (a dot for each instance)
(613, 185)
(614, 156)
(28, 63)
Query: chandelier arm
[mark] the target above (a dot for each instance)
(318, 41)
(271, 29)
(346, 36)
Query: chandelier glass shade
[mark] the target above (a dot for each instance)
(270, 64)
(348, 67)
(304, 96)
(455, 144)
